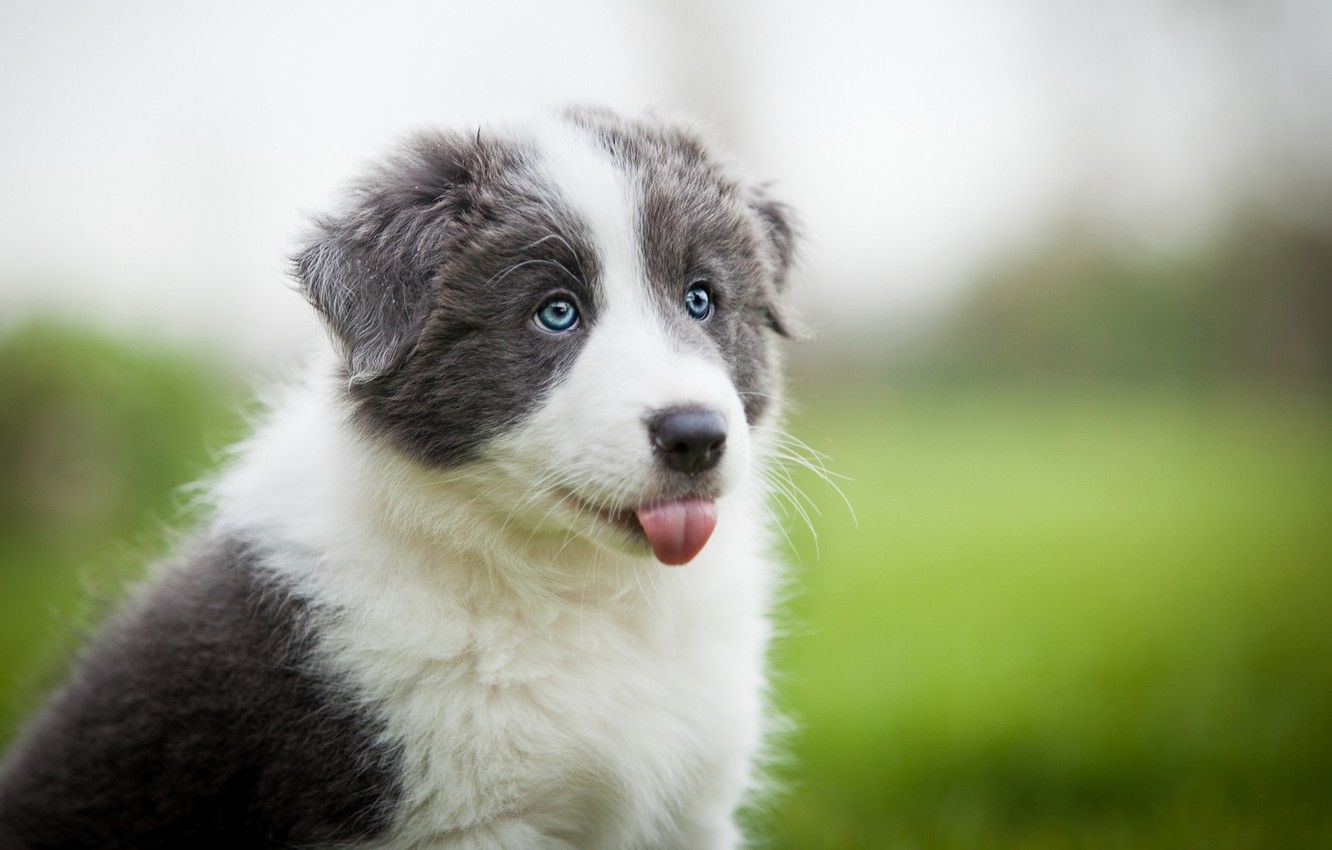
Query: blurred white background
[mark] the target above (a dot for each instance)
(158, 157)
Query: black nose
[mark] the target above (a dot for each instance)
(688, 440)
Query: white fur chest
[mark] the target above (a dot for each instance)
(626, 721)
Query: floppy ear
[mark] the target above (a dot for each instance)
(370, 270)
(782, 232)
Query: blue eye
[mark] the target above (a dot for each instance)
(698, 301)
(557, 315)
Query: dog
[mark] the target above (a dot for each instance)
(497, 572)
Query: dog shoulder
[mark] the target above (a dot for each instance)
(197, 715)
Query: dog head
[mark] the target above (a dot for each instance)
(582, 312)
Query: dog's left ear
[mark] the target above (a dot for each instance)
(782, 231)
(370, 270)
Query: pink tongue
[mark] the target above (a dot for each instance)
(678, 530)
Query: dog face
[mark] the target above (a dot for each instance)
(586, 308)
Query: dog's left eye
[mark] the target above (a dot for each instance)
(698, 301)
(557, 315)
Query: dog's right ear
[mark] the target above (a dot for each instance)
(782, 233)
(370, 270)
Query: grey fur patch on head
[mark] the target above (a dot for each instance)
(674, 156)
(430, 276)
(701, 222)
(370, 271)
(783, 237)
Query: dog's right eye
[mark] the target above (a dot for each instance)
(557, 315)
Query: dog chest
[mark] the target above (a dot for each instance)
(597, 725)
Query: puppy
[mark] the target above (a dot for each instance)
(431, 608)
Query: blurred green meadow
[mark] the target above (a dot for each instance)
(1062, 615)
(1064, 619)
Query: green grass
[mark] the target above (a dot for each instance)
(1065, 619)
(97, 440)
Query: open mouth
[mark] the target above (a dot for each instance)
(677, 530)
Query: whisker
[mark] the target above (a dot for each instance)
(499, 276)
(786, 476)
(578, 263)
(788, 449)
(799, 509)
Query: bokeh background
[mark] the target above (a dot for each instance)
(1069, 268)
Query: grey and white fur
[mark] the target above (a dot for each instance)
(423, 614)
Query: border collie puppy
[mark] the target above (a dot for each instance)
(430, 610)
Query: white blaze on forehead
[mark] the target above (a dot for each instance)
(603, 194)
(630, 352)
(629, 366)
